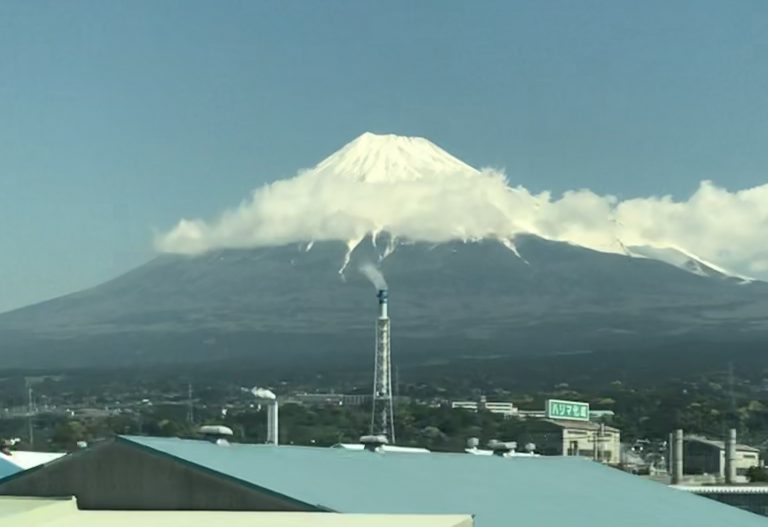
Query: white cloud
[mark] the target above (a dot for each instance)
(727, 228)
(455, 201)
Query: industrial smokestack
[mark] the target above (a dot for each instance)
(730, 457)
(382, 295)
(268, 398)
(273, 428)
(382, 411)
(677, 457)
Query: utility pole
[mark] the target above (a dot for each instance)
(599, 439)
(190, 405)
(30, 427)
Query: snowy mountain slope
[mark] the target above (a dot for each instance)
(686, 261)
(452, 298)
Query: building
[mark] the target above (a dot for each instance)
(144, 473)
(506, 409)
(38, 512)
(560, 437)
(329, 399)
(594, 415)
(706, 457)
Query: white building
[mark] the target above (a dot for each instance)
(503, 408)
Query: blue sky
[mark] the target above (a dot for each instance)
(119, 118)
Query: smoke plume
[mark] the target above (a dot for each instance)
(373, 274)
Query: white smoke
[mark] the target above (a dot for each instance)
(261, 393)
(373, 274)
(453, 202)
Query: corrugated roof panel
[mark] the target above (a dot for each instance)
(26, 459)
(499, 491)
(7, 468)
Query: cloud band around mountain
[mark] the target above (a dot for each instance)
(727, 228)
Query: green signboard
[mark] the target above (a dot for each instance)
(573, 410)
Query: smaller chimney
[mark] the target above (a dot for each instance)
(730, 457)
(677, 457)
(373, 443)
(273, 426)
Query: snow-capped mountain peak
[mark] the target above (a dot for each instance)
(389, 158)
(415, 191)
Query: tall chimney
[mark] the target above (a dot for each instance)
(677, 457)
(382, 294)
(382, 411)
(730, 457)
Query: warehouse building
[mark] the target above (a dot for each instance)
(41, 512)
(706, 457)
(143, 473)
(560, 437)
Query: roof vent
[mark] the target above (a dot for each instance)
(373, 443)
(502, 448)
(216, 434)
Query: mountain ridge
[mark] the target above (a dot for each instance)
(479, 296)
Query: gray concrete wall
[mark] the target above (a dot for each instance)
(120, 476)
(756, 503)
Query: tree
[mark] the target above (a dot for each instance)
(757, 474)
(67, 434)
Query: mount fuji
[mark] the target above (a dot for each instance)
(475, 267)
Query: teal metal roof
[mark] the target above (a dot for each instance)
(500, 492)
(7, 468)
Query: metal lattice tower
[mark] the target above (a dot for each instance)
(382, 414)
